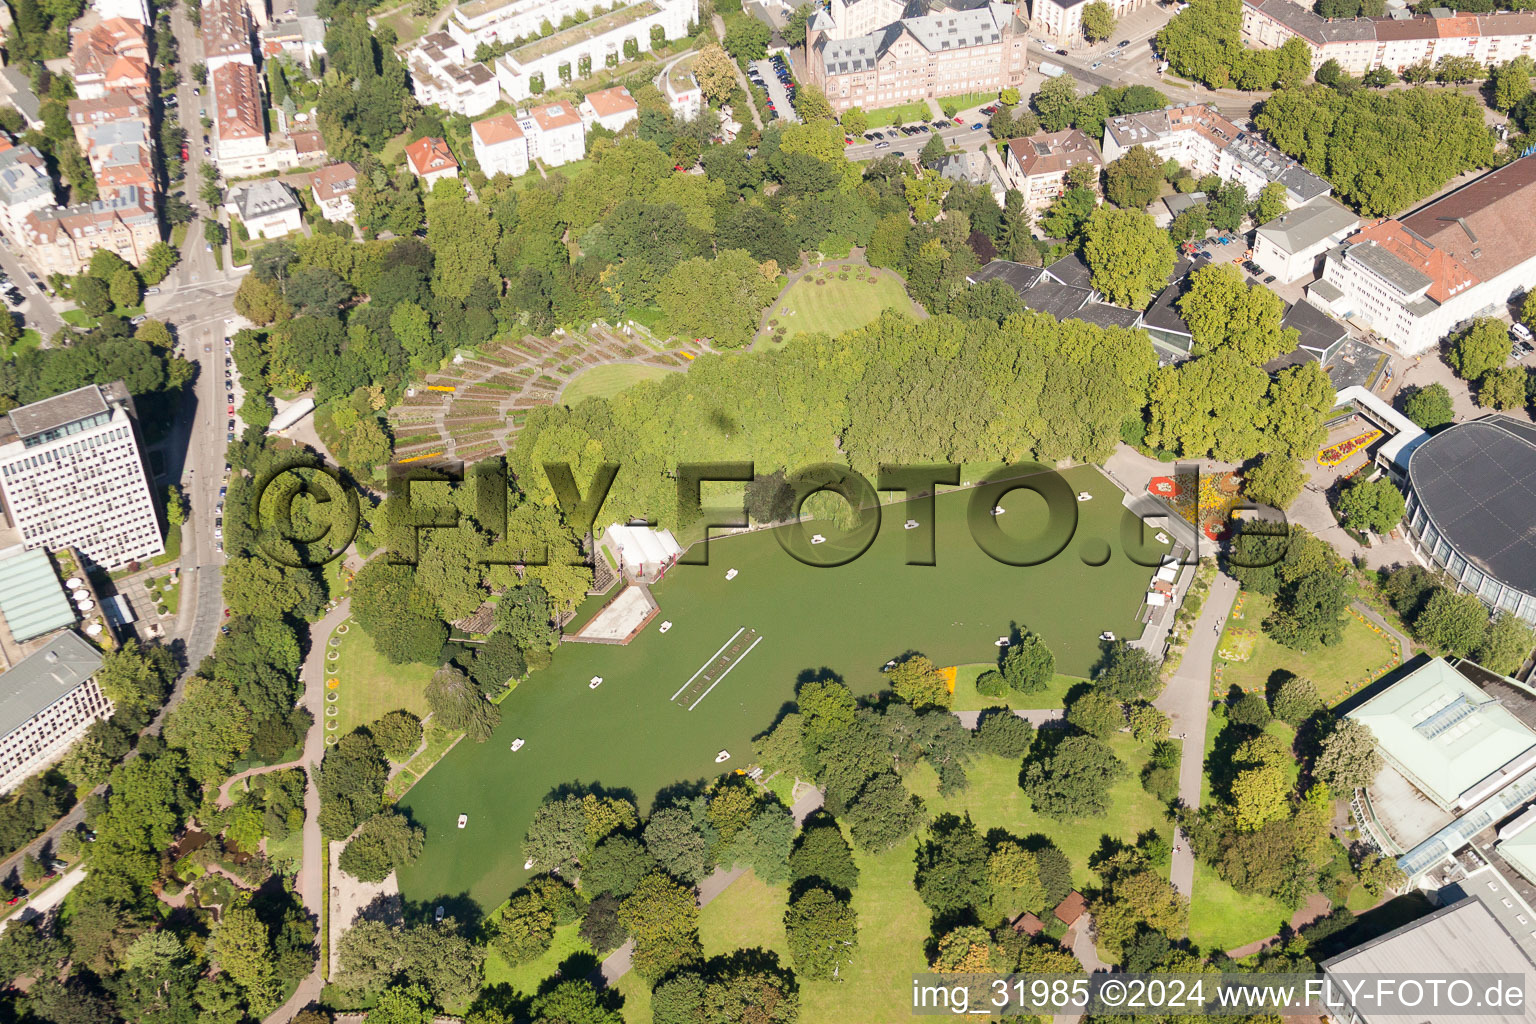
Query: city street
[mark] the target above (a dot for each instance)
(37, 313)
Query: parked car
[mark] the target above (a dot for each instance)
(151, 291)
(231, 425)
(231, 438)
(978, 126)
(1268, 279)
(138, 320)
(1520, 331)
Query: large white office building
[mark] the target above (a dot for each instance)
(47, 702)
(71, 473)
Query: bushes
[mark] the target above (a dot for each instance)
(1005, 734)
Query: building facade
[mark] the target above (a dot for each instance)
(239, 122)
(605, 41)
(1204, 141)
(228, 34)
(72, 474)
(1417, 278)
(1061, 21)
(443, 76)
(431, 160)
(612, 108)
(1394, 41)
(47, 702)
(24, 186)
(1290, 245)
(499, 145)
(682, 90)
(941, 54)
(333, 187)
(1038, 166)
(554, 132)
(504, 21)
(268, 208)
(61, 239)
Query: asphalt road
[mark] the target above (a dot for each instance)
(35, 309)
(910, 145)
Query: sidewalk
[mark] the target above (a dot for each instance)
(1187, 703)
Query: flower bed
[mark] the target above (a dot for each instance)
(1335, 454)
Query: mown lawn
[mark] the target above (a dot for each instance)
(1362, 656)
(369, 687)
(967, 699)
(607, 381)
(911, 113)
(1222, 918)
(525, 978)
(748, 913)
(836, 305)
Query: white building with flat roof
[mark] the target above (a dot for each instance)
(1290, 245)
(605, 41)
(47, 702)
(72, 474)
(443, 75)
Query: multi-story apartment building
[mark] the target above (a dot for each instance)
(612, 108)
(1416, 278)
(133, 10)
(239, 124)
(1207, 143)
(61, 239)
(228, 34)
(125, 105)
(1061, 21)
(850, 19)
(333, 187)
(605, 40)
(499, 145)
(505, 21)
(120, 157)
(72, 474)
(1038, 166)
(940, 54)
(1394, 41)
(109, 55)
(554, 132)
(47, 702)
(442, 75)
(24, 186)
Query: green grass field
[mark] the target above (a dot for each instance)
(893, 922)
(628, 736)
(837, 305)
(1338, 670)
(524, 978)
(607, 381)
(911, 113)
(371, 687)
(1222, 918)
(967, 699)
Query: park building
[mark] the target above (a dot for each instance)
(1458, 746)
(1201, 139)
(1393, 41)
(947, 52)
(72, 474)
(47, 701)
(1417, 278)
(1472, 510)
(1471, 932)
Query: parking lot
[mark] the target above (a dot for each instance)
(908, 140)
(1227, 247)
(774, 77)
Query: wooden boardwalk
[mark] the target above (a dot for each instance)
(716, 668)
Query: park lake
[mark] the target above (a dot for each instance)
(627, 737)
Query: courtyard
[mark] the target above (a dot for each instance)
(627, 736)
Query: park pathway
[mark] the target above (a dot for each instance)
(1034, 716)
(309, 885)
(1186, 700)
(617, 963)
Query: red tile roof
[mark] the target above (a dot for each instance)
(1071, 908)
(608, 102)
(1447, 276)
(555, 115)
(495, 130)
(429, 155)
(1488, 225)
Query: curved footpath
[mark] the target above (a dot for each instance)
(310, 884)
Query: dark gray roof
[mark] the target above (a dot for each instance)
(1017, 276)
(1059, 300)
(1403, 277)
(1105, 315)
(21, 95)
(1307, 225)
(1071, 270)
(54, 412)
(1163, 314)
(1304, 22)
(38, 680)
(1319, 331)
(1477, 483)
